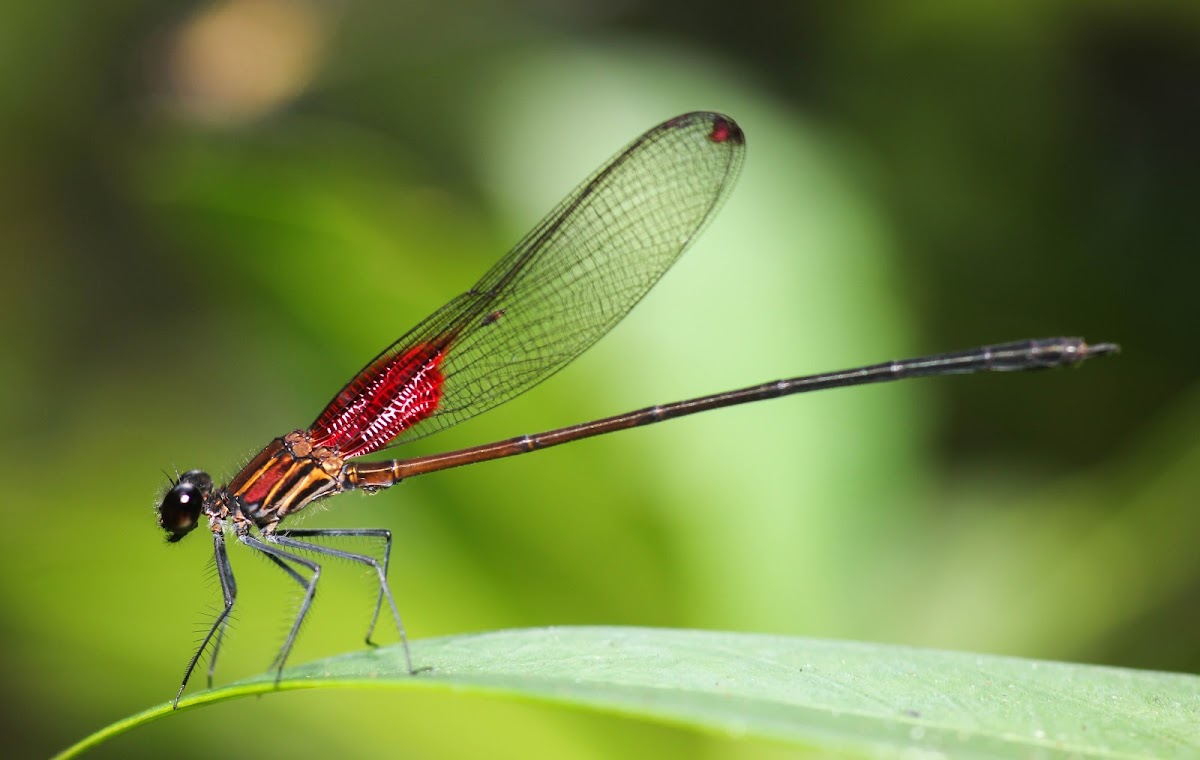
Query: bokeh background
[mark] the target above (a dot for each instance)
(212, 213)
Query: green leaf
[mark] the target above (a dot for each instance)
(858, 699)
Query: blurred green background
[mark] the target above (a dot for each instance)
(211, 214)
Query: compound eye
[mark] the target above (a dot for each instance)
(180, 510)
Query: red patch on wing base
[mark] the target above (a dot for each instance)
(388, 397)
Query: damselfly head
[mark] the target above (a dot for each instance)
(179, 511)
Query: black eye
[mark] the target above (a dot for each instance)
(180, 509)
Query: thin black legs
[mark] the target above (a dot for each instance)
(229, 592)
(275, 547)
(281, 558)
(379, 534)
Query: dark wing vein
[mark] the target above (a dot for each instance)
(580, 270)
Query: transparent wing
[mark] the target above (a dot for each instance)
(568, 282)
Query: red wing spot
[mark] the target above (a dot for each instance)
(724, 130)
(391, 395)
